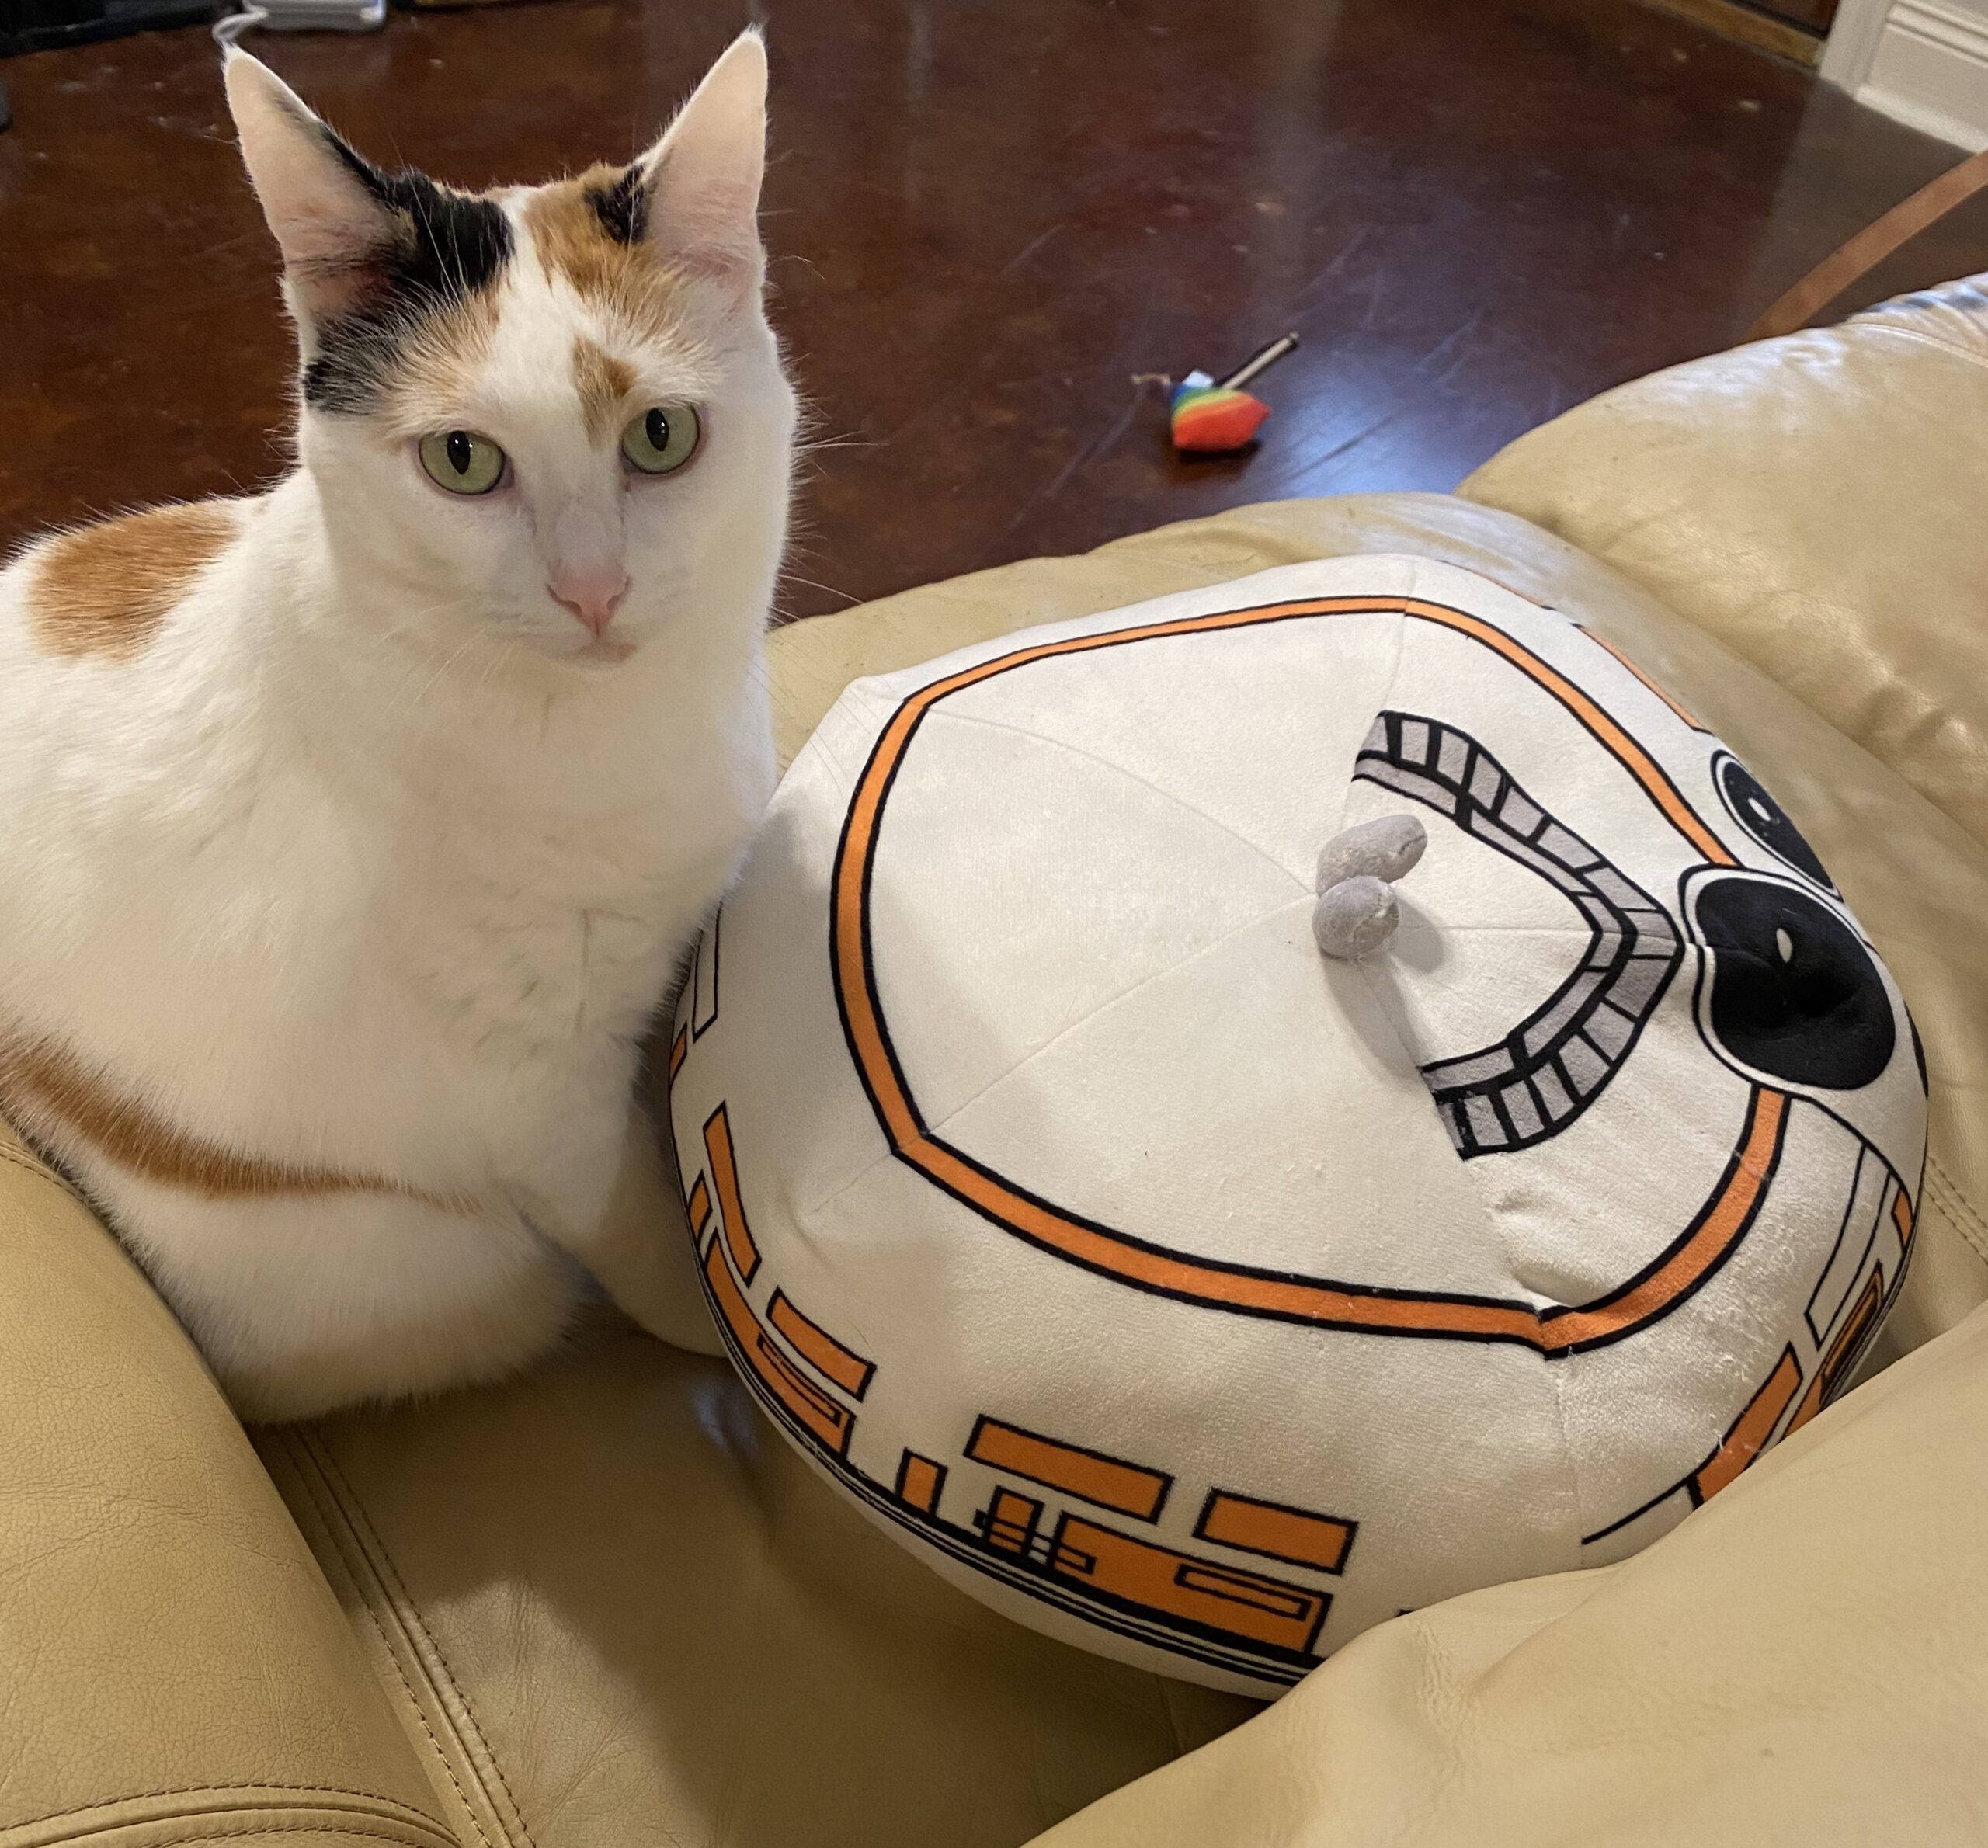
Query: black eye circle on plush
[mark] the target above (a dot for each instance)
(1795, 994)
(1764, 819)
(661, 439)
(462, 461)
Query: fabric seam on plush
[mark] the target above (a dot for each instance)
(1105, 1007)
(1076, 750)
(1493, 1225)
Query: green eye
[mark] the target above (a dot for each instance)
(663, 439)
(463, 462)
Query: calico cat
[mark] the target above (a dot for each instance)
(353, 832)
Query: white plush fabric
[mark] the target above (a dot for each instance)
(1203, 1300)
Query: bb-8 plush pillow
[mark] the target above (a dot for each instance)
(1203, 1299)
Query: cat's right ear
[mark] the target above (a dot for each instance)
(332, 228)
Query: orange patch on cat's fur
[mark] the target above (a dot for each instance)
(46, 1089)
(628, 283)
(603, 383)
(439, 363)
(105, 589)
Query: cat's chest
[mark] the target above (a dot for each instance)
(533, 943)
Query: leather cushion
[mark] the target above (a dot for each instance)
(1819, 504)
(172, 1667)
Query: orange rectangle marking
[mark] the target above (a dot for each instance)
(698, 1206)
(1176, 1584)
(919, 1481)
(811, 1408)
(820, 1349)
(1085, 1474)
(731, 1209)
(680, 1049)
(1291, 1534)
(1011, 1519)
(1902, 1218)
(1751, 1430)
(1823, 1386)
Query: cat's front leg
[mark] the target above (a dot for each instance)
(612, 1201)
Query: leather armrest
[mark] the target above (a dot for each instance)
(1818, 503)
(173, 1667)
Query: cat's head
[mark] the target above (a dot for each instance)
(553, 415)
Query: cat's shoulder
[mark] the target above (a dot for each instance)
(102, 590)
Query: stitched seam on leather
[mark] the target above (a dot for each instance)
(334, 1820)
(409, 1613)
(1968, 1220)
(213, 1823)
(389, 1806)
(1970, 355)
(42, 1172)
(304, 1463)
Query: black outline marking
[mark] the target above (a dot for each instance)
(1720, 759)
(1590, 986)
(1865, 1153)
(1702, 1001)
(699, 1027)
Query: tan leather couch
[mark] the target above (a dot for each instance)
(604, 1604)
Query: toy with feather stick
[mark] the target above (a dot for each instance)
(1215, 416)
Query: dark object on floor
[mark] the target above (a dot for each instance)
(46, 25)
(6, 108)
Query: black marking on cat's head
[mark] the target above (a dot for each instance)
(439, 250)
(623, 208)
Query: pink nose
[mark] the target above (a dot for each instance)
(591, 596)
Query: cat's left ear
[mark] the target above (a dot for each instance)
(704, 175)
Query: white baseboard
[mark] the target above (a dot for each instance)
(1930, 71)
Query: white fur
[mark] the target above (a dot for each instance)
(356, 867)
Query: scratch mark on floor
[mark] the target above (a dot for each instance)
(1030, 248)
(1084, 453)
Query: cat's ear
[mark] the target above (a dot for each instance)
(702, 176)
(332, 227)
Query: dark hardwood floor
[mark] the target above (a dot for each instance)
(986, 219)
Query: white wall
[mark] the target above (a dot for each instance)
(1924, 61)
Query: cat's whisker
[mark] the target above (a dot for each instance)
(795, 577)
